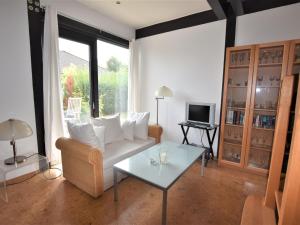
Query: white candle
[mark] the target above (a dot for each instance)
(163, 157)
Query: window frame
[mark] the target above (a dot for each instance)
(82, 33)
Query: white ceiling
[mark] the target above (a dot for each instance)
(143, 13)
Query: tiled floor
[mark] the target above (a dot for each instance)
(216, 199)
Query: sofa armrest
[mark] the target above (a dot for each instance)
(155, 131)
(82, 165)
(79, 150)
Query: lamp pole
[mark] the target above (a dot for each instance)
(157, 98)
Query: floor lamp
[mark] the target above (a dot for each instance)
(161, 93)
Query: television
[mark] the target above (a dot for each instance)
(202, 113)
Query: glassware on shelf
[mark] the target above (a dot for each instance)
(297, 53)
(260, 79)
(259, 159)
(269, 104)
(266, 57)
(235, 58)
(260, 57)
(232, 59)
(271, 78)
(241, 58)
(280, 55)
(273, 55)
(248, 57)
(278, 80)
(232, 153)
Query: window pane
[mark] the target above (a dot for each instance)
(112, 78)
(75, 79)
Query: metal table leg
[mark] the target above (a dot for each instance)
(115, 184)
(164, 207)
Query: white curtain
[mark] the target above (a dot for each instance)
(134, 78)
(53, 114)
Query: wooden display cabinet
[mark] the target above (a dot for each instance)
(236, 105)
(252, 87)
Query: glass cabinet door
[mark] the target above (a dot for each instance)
(237, 83)
(296, 60)
(265, 94)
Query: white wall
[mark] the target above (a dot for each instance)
(81, 13)
(190, 62)
(270, 25)
(16, 94)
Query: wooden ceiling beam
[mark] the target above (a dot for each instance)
(218, 9)
(237, 6)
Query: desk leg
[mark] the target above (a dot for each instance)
(115, 185)
(185, 140)
(164, 207)
(210, 142)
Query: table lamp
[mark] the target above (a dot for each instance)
(11, 130)
(161, 93)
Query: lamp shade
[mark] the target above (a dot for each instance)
(14, 129)
(163, 91)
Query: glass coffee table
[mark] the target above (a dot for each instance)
(145, 166)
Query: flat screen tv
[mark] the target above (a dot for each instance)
(202, 113)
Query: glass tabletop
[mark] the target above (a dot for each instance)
(31, 158)
(179, 158)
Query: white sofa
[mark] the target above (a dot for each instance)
(117, 151)
(91, 170)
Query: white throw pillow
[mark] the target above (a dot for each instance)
(113, 130)
(141, 124)
(100, 132)
(128, 129)
(83, 133)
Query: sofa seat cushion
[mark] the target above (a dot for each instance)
(119, 150)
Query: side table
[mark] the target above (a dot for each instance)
(34, 161)
(188, 125)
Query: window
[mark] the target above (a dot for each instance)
(113, 64)
(94, 71)
(75, 79)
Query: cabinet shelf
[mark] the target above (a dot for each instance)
(262, 128)
(238, 66)
(265, 148)
(237, 86)
(229, 142)
(269, 64)
(267, 86)
(265, 110)
(233, 125)
(236, 108)
(296, 62)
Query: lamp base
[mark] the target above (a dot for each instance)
(11, 161)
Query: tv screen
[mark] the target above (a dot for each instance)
(199, 113)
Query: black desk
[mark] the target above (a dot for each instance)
(202, 127)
